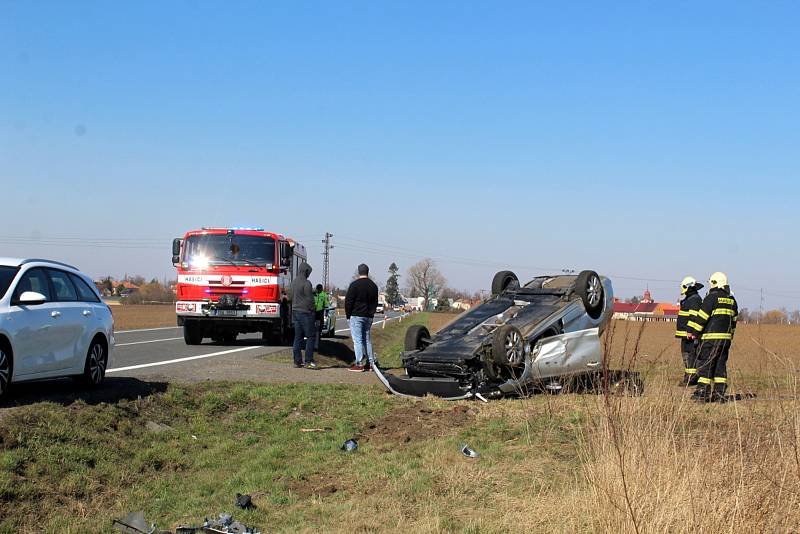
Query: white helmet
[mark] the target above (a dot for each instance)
(687, 283)
(718, 279)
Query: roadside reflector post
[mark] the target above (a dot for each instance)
(384, 321)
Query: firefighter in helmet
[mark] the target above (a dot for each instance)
(690, 305)
(715, 324)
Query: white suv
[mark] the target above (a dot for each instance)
(52, 324)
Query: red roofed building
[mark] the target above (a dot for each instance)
(646, 310)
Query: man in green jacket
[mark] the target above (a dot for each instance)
(321, 303)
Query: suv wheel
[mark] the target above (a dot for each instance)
(94, 371)
(5, 371)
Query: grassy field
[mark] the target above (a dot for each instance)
(565, 463)
(132, 316)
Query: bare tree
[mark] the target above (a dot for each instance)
(425, 280)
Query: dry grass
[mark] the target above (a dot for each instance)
(131, 316)
(662, 463)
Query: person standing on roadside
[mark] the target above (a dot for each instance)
(690, 305)
(301, 294)
(321, 304)
(359, 307)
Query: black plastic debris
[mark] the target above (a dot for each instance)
(225, 524)
(350, 445)
(245, 502)
(469, 452)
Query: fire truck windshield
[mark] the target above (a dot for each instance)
(201, 251)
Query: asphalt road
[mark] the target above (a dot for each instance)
(162, 351)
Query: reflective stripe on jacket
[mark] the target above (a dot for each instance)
(689, 306)
(716, 318)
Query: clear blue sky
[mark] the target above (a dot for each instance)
(641, 140)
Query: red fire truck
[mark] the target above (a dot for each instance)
(233, 281)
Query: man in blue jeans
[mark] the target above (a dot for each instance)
(301, 294)
(359, 307)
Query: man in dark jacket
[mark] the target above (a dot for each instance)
(301, 294)
(359, 307)
(690, 304)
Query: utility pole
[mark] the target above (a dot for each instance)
(326, 260)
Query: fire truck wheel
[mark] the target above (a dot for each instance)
(229, 338)
(192, 334)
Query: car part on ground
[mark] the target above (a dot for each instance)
(524, 337)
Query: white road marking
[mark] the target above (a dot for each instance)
(375, 322)
(203, 356)
(179, 360)
(147, 329)
(149, 341)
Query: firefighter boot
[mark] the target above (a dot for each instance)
(702, 393)
(718, 394)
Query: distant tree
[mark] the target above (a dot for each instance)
(425, 278)
(107, 284)
(392, 285)
(443, 304)
(152, 292)
(794, 317)
(744, 315)
(774, 317)
(137, 280)
(120, 288)
(633, 300)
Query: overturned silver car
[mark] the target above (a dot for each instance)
(524, 337)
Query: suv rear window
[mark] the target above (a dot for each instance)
(85, 293)
(7, 274)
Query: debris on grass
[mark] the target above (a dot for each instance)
(350, 445)
(469, 452)
(245, 502)
(157, 428)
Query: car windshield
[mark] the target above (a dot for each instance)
(6, 276)
(216, 249)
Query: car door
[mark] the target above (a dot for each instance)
(71, 328)
(568, 354)
(93, 312)
(32, 326)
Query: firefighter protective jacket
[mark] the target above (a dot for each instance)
(716, 318)
(690, 305)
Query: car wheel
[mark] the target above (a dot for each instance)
(5, 370)
(589, 288)
(192, 334)
(508, 346)
(94, 370)
(417, 338)
(504, 280)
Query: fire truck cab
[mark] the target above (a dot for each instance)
(233, 281)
